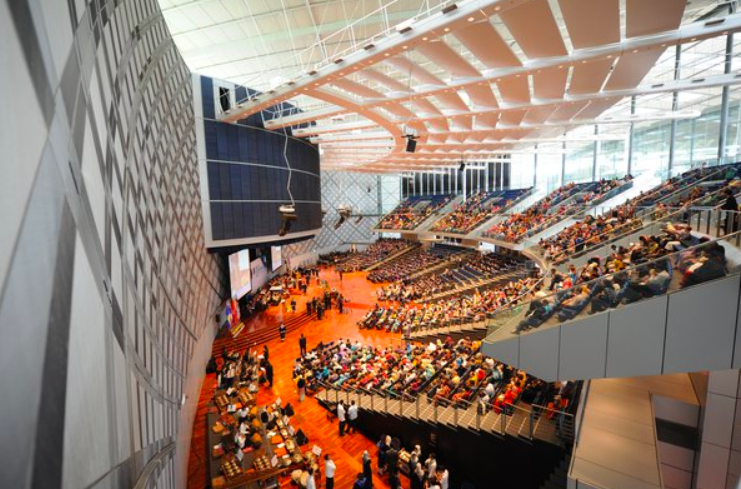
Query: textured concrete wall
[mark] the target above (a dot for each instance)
(105, 286)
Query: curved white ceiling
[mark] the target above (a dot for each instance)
(480, 79)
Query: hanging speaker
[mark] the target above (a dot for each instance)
(411, 145)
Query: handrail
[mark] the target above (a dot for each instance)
(647, 264)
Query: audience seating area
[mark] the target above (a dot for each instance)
(467, 270)
(378, 251)
(441, 373)
(698, 187)
(411, 263)
(569, 200)
(412, 211)
(650, 267)
(477, 209)
(465, 307)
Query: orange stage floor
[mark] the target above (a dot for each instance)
(310, 416)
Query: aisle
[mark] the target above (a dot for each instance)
(310, 416)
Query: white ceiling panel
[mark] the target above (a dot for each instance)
(535, 30)
(484, 42)
(592, 23)
(461, 80)
(646, 17)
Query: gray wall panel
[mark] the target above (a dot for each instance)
(636, 339)
(507, 351)
(583, 348)
(701, 327)
(539, 352)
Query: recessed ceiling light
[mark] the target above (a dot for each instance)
(424, 38)
(386, 54)
(341, 73)
(470, 19)
(635, 50)
(693, 39)
(447, 29)
(404, 47)
(583, 61)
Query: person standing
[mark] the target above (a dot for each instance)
(431, 465)
(367, 469)
(302, 344)
(310, 482)
(282, 331)
(269, 373)
(352, 417)
(301, 384)
(329, 469)
(341, 417)
(444, 478)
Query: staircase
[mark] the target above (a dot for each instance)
(248, 339)
(559, 477)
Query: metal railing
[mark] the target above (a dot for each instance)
(533, 422)
(507, 318)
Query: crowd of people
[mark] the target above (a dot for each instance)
(563, 202)
(641, 270)
(412, 211)
(698, 187)
(465, 269)
(477, 208)
(465, 307)
(378, 251)
(411, 263)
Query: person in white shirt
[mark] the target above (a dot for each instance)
(310, 483)
(444, 479)
(329, 469)
(341, 417)
(352, 417)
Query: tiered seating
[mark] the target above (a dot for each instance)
(412, 211)
(432, 378)
(467, 270)
(478, 208)
(411, 263)
(643, 270)
(566, 201)
(378, 251)
(465, 307)
(700, 187)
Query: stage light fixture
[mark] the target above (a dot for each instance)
(287, 216)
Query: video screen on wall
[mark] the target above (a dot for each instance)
(240, 277)
(276, 257)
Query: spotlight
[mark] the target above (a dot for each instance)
(345, 211)
(287, 216)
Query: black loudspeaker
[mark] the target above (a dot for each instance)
(411, 145)
(301, 439)
(224, 99)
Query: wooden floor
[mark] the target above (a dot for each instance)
(346, 451)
